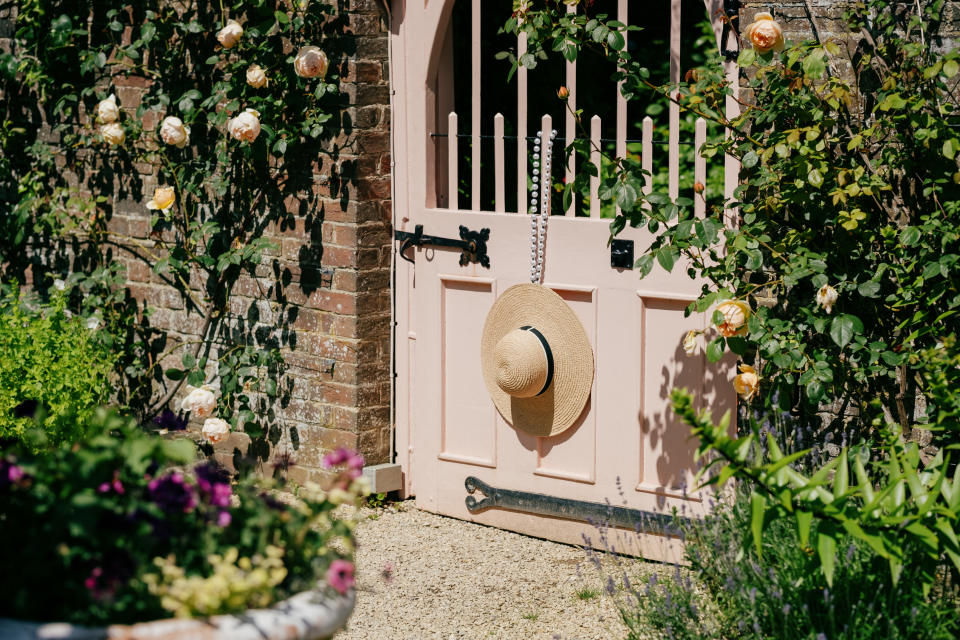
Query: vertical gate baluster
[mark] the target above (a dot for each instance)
(731, 166)
(674, 151)
(498, 169)
(621, 126)
(452, 158)
(546, 188)
(521, 127)
(646, 157)
(699, 169)
(570, 129)
(475, 109)
(595, 159)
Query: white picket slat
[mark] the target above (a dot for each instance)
(521, 128)
(699, 168)
(595, 160)
(499, 192)
(646, 156)
(570, 128)
(546, 189)
(621, 124)
(452, 158)
(673, 185)
(475, 109)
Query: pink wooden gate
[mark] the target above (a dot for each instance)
(626, 447)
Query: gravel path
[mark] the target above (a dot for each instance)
(429, 577)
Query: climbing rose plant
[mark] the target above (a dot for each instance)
(830, 273)
(230, 104)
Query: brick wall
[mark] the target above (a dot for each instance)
(328, 285)
(798, 17)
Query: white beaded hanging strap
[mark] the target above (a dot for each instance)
(540, 199)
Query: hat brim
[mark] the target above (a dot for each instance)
(558, 407)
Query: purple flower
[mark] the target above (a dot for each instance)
(10, 473)
(224, 518)
(170, 421)
(172, 493)
(340, 575)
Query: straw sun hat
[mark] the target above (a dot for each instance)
(537, 361)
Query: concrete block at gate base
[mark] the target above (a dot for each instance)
(384, 477)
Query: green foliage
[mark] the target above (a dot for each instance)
(52, 366)
(730, 590)
(903, 514)
(842, 239)
(104, 517)
(163, 60)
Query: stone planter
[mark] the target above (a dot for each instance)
(310, 615)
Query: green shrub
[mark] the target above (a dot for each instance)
(731, 592)
(50, 366)
(125, 526)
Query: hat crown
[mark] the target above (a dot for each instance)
(521, 364)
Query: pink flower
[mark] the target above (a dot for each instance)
(91, 582)
(343, 456)
(340, 576)
(103, 488)
(223, 518)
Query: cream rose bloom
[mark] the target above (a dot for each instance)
(173, 131)
(311, 62)
(201, 402)
(765, 33)
(230, 35)
(256, 77)
(746, 381)
(246, 126)
(827, 297)
(107, 110)
(215, 430)
(735, 316)
(690, 342)
(113, 133)
(163, 198)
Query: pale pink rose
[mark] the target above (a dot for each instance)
(735, 316)
(746, 381)
(215, 430)
(311, 62)
(764, 34)
(173, 131)
(107, 110)
(245, 127)
(200, 402)
(256, 77)
(230, 35)
(827, 297)
(113, 133)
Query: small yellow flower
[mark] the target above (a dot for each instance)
(163, 199)
(690, 342)
(113, 133)
(735, 316)
(765, 33)
(827, 297)
(256, 76)
(230, 35)
(746, 382)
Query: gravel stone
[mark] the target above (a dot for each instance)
(421, 576)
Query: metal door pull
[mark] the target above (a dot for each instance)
(472, 243)
(592, 512)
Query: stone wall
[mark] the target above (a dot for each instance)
(328, 285)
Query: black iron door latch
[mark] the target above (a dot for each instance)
(473, 244)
